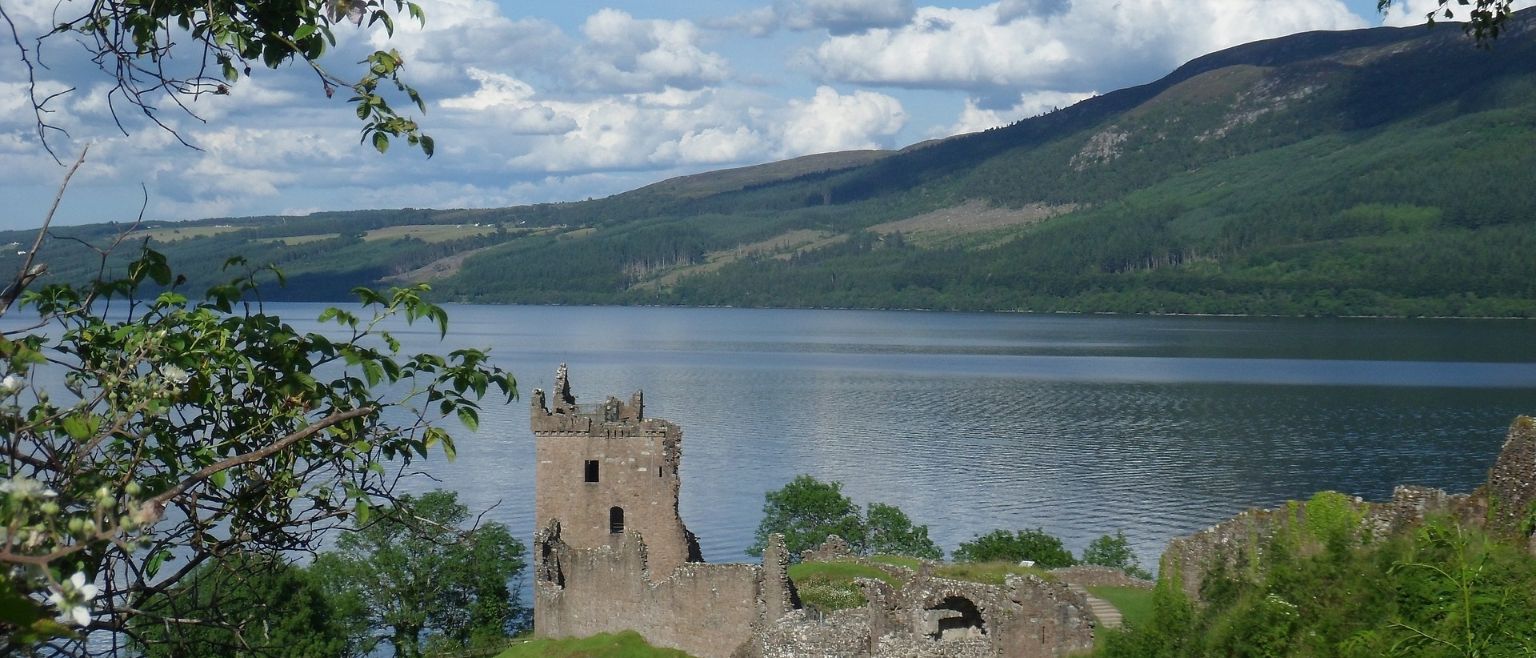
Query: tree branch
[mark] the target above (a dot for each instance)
(27, 274)
(257, 455)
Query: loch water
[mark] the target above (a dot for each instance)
(1079, 424)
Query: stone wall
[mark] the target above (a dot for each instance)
(706, 610)
(931, 617)
(1511, 489)
(1092, 575)
(1506, 505)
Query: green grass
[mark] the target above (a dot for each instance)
(829, 586)
(1134, 603)
(991, 573)
(627, 644)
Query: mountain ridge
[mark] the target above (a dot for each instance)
(1367, 172)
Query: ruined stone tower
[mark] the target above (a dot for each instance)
(611, 554)
(605, 471)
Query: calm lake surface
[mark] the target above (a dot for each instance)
(1078, 424)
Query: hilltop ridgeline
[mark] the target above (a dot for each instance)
(1370, 172)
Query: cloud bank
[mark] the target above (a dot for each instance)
(566, 105)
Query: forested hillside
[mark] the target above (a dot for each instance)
(1385, 171)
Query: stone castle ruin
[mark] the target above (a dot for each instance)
(612, 554)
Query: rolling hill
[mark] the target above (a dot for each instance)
(1388, 171)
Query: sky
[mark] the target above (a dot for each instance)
(562, 101)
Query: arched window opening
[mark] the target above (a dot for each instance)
(955, 618)
(615, 520)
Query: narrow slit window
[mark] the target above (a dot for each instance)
(591, 470)
(615, 520)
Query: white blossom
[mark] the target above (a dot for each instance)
(23, 488)
(10, 384)
(73, 598)
(175, 374)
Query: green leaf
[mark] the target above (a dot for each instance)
(373, 372)
(470, 418)
(426, 145)
(18, 610)
(220, 479)
(78, 427)
(155, 562)
(361, 512)
(303, 32)
(381, 141)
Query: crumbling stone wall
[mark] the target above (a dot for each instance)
(1511, 490)
(1093, 575)
(926, 616)
(1052, 620)
(707, 610)
(1506, 504)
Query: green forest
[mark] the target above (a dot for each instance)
(1375, 172)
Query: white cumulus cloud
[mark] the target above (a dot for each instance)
(830, 121)
(624, 53)
(974, 117)
(1414, 12)
(1095, 44)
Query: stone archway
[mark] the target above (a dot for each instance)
(955, 618)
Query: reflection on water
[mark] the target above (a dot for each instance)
(1078, 424)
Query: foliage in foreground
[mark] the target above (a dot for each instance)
(414, 571)
(145, 438)
(411, 576)
(627, 644)
(807, 510)
(1443, 589)
(265, 607)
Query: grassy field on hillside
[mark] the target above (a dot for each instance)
(429, 232)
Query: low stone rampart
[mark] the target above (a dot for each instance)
(1093, 575)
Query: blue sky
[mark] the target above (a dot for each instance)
(533, 102)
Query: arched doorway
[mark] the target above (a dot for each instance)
(615, 520)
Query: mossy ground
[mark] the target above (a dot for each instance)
(829, 586)
(991, 573)
(627, 644)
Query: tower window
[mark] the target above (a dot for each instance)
(591, 470)
(615, 520)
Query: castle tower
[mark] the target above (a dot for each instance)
(605, 472)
